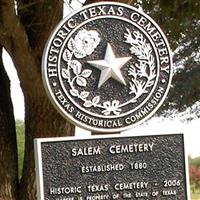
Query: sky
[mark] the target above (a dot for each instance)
(16, 92)
(159, 126)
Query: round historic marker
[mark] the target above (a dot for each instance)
(107, 67)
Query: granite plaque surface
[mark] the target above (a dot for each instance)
(141, 167)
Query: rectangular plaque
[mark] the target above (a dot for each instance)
(141, 167)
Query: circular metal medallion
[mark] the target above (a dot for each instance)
(107, 67)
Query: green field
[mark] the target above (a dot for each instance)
(195, 196)
(20, 145)
(20, 141)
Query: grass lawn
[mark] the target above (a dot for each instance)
(195, 196)
(20, 145)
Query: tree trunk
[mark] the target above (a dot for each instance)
(24, 36)
(8, 145)
(42, 120)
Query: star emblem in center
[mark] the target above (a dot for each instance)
(110, 66)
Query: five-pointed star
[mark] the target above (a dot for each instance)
(110, 66)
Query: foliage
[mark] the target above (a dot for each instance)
(194, 177)
(194, 171)
(195, 162)
(180, 21)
